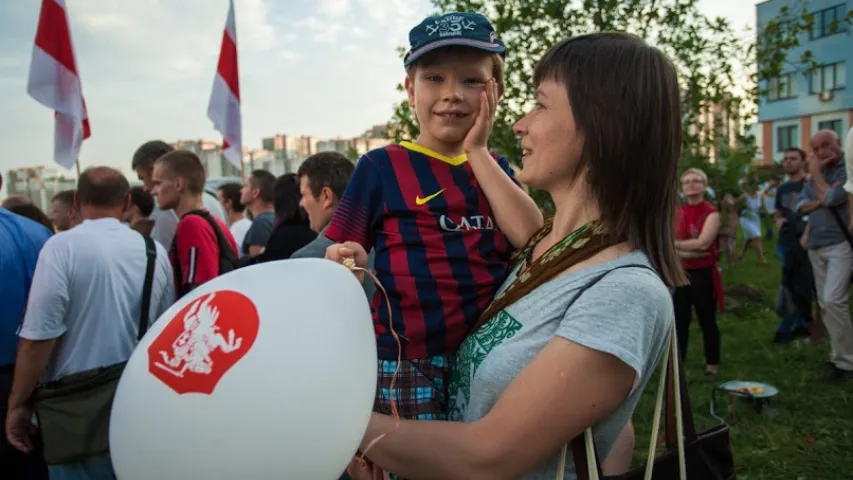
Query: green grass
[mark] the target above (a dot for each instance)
(807, 433)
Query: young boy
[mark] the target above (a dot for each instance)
(442, 213)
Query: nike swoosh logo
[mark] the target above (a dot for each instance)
(425, 200)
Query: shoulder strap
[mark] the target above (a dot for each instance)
(179, 275)
(581, 449)
(579, 445)
(584, 452)
(671, 408)
(225, 251)
(145, 310)
(840, 223)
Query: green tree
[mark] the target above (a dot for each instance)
(710, 56)
(720, 69)
(352, 154)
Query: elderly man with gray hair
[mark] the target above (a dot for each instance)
(830, 246)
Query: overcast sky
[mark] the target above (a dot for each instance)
(312, 67)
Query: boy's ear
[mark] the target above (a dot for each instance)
(410, 90)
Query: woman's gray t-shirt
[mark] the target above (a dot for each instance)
(627, 313)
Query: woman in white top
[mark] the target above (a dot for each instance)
(575, 351)
(750, 221)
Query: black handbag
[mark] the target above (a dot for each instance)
(73, 412)
(690, 455)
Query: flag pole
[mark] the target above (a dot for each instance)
(77, 164)
(224, 105)
(53, 54)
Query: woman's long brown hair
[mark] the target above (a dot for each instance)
(626, 102)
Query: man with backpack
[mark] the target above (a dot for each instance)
(203, 247)
(165, 221)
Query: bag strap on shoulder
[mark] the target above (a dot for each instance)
(145, 310)
(584, 453)
(225, 251)
(580, 450)
(841, 226)
(675, 401)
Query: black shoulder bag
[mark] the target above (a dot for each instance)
(73, 412)
(689, 455)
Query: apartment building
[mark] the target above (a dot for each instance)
(799, 103)
(39, 184)
(210, 154)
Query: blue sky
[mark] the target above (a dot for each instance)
(325, 68)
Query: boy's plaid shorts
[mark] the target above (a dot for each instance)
(420, 391)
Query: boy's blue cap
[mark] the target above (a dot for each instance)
(452, 29)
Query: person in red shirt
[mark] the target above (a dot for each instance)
(203, 247)
(696, 228)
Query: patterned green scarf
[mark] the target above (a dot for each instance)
(578, 246)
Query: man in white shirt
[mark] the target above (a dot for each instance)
(85, 304)
(165, 221)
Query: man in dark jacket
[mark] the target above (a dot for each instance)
(797, 283)
(322, 180)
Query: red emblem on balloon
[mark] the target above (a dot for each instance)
(203, 341)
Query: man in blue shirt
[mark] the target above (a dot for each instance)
(21, 239)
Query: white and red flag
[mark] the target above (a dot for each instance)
(224, 107)
(54, 82)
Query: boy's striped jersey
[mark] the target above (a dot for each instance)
(439, 253)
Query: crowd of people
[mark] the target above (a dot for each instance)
(78, 275)
(505, 314)
(814, 245)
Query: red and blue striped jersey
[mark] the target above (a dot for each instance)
(438, 251)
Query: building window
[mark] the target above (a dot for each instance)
(834, 125)
(828, 77)
(782, 88)
(828, 22)
(786, 137)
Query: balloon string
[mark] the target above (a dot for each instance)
(350, 263)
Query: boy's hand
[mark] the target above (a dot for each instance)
(372, 472)
(478, 136)
(340, 252)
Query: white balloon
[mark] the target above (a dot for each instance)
(282, 390)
